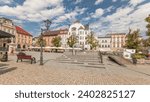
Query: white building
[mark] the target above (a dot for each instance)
(104, 43)
(80, 31)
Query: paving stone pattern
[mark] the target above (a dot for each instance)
(68, 69)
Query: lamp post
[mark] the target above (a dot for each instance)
(47, 25)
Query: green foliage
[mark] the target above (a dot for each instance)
(133, 41)
(138, 56)
(148, 25)
(92, 41)
(41, 42)
(146, 42)
(56, 41)
(72, 40)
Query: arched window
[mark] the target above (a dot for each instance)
(24, 46)
(18, 46)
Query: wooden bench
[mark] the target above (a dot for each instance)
(24, 56)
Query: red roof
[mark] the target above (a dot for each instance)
(56, 32)
(22, 31)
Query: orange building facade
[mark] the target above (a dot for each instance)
(48, 36)
(23, 38)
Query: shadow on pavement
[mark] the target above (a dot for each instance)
(1, 64)
(4, 69)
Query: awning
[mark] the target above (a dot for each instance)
(5, 34)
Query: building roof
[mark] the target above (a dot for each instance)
(5, 18)
(56, 32)
(104, 37)
(5, 34)
(115, 34)
(22, 31)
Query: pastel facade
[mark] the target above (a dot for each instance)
(48, 36)
(104, 43)
(81, 32)
(23, 38)
(118, 41)
(112, 42)
(7, 25)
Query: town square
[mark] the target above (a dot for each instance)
(62, 42)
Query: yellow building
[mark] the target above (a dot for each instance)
(7, 26)
(22, 38)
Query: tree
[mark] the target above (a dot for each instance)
(133, 41)
(92, 41)
(148, 25)
(41, 41)
(146, 42)
(56, 41)
(71, 41)
(148, 30)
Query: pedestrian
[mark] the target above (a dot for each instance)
(101, 57)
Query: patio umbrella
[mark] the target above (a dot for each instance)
(5, 34)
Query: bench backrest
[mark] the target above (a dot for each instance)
(24, 56)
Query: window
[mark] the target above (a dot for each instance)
(85, 32)
(81, 38)
(118, 45)
(102, 46)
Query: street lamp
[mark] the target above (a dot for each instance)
(47, 25)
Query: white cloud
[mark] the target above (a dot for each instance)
(98, 2)
(71, 16)
(135, 2)
(77, 1)
(114, 0)
(123, 19)
(6, 1)
(109, 9)
(98, 13)
(121, 12)
(30, 11)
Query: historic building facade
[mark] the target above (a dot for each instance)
(48, 36)
(112, 42)
(117, 41)
(23, 38)
(81, 32)
(6, 25)
(104, 43)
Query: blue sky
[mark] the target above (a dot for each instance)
(104, 16)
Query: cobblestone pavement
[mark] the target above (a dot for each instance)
(65, 69)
